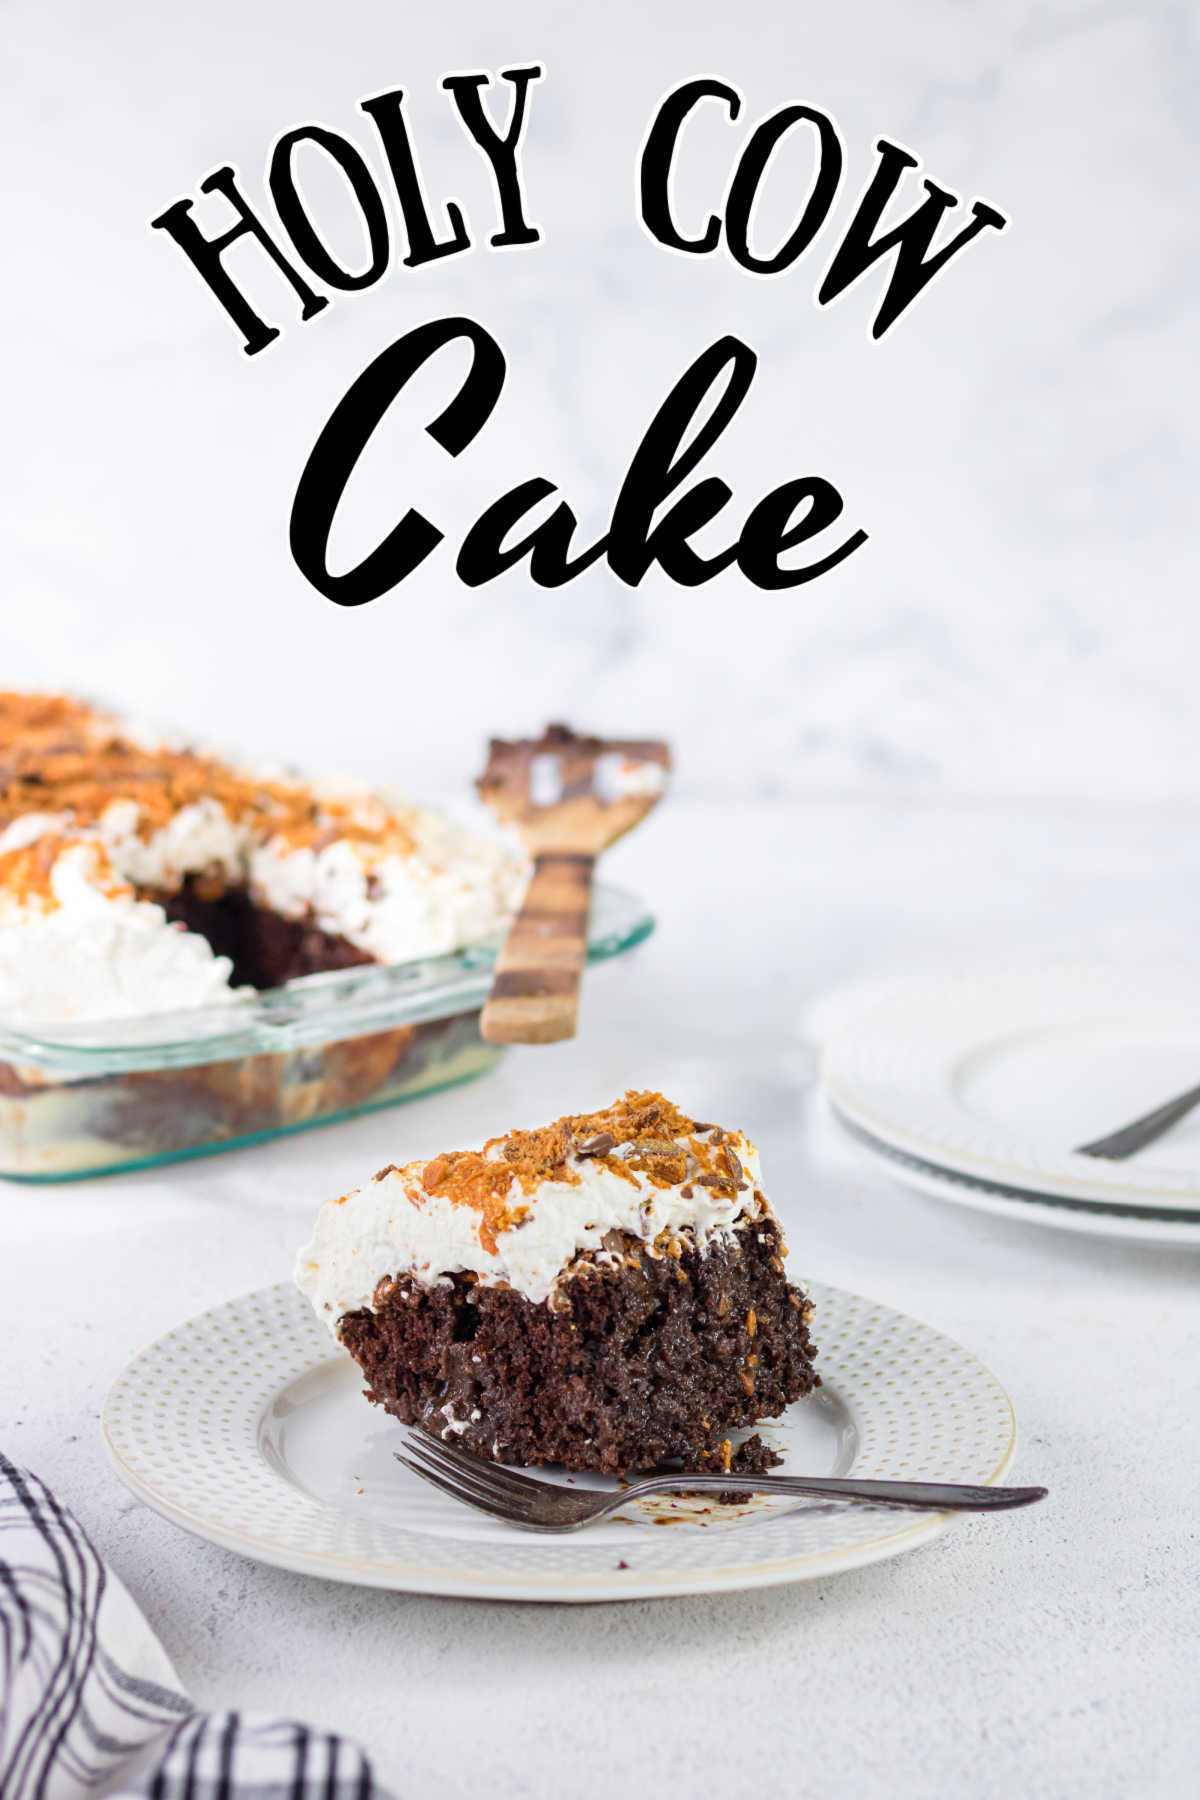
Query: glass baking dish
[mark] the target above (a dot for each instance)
(91, 1099)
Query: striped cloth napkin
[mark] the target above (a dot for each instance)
(90, 1705)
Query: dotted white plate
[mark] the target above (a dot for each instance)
(248, 1426)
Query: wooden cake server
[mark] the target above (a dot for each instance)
(569, 797)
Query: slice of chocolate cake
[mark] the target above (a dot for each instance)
(607, 1293)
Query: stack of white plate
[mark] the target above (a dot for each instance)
(979, 1085)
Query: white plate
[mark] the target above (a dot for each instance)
(995, 1074)
(1174, 1232)
(248, 1426)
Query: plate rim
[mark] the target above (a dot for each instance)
(1163, 1231)
(1085, 1184)
(554, 1587)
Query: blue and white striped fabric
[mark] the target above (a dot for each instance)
(90, 1705)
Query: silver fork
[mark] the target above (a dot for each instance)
(540, 1506)
(1131, 1138)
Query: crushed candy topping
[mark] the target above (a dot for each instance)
(640, 1136)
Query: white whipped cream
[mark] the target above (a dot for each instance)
(30, 827)
(199, 839)
(120, 956)
(625, 778)
(393, 1227)
(95, 955)
(452, 889)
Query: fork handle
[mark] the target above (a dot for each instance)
(535, 990)
(931, 1496)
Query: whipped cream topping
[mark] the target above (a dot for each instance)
(626, 778)
(200, 838)
(97, 953)
(398, 882)
(451, 889)
(86, 953)
(31, 827)
(395, 1227)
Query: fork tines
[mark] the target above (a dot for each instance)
(487, 1486)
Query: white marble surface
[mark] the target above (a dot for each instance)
(1047, 1654)
(1023, 447)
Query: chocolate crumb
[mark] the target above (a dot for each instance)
(732, 1163)
(600, 1145)
(752, 1457)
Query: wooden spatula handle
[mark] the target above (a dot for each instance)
(535, 991)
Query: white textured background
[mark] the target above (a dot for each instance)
(1022, 447)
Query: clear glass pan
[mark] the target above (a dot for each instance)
(94, 1098)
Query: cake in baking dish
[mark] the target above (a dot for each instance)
(607, 1293)
(137, 876)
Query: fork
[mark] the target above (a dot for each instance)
(569, 797)
(1131, 1138)
(534, 1505)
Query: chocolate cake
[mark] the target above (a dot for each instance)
(141, 877)
(138, 876)
(607, 1293)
